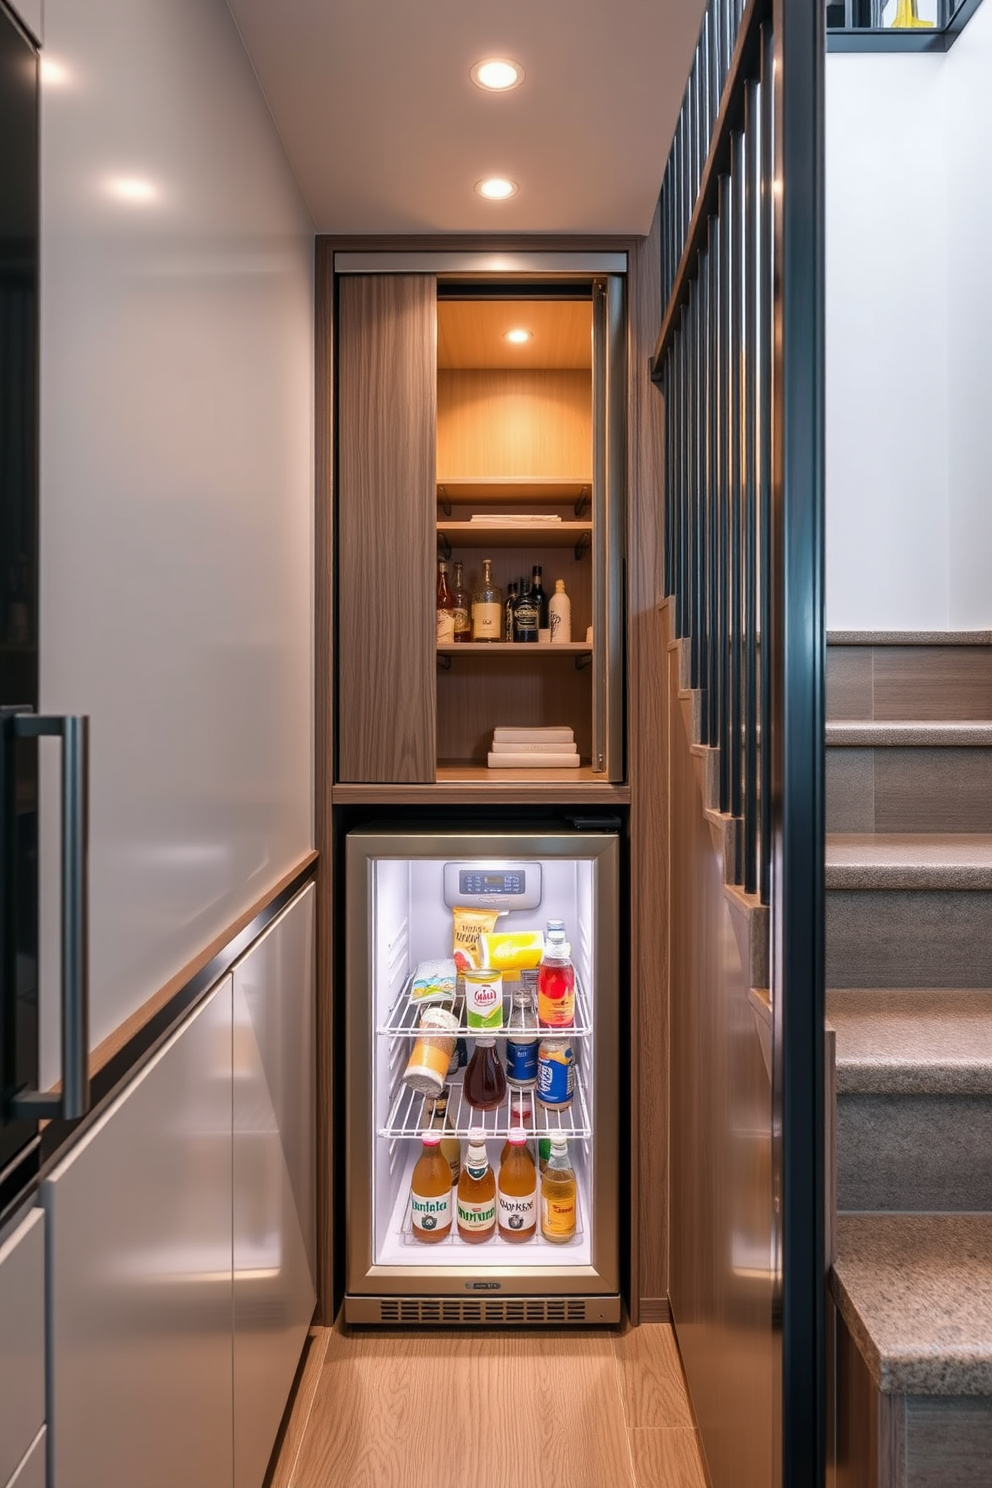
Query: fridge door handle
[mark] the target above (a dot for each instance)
(73, 1099)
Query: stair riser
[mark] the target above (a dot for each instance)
(934, 683)
(909, 790)
(919, 1153)
(908, 938)
(948, 1442)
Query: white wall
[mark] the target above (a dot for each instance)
(909, 327)
(176, 481)
(969, 275)
(886, 343)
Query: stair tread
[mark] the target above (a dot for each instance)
(861, 734)
(912, 1041)
(915, 1291)
(909, 860)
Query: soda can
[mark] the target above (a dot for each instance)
(555, 1074)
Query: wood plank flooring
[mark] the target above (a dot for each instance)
(490, 1410)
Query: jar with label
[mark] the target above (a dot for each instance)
(427, 1067)
(483, 999)
(555, 1074)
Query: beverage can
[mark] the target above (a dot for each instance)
(555, 1074)
(430, 1057)
(483, 999)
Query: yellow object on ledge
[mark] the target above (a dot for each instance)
(907, 17)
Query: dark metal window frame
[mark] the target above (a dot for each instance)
(856, 38)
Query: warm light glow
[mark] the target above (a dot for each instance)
(519, 337)
(132, 189)
(497, 74)
(496, 188)
(53, 74)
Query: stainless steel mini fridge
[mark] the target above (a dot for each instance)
(401, 888)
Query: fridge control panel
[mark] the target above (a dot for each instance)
(493, 885)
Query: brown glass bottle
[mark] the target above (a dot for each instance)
(485, 1080)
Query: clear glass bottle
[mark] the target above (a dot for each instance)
(445, 608)
(460, 599)
(523, 1041)
(487, 607)
(558, 1193)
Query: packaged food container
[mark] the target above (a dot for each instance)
(511, 950)
(483, 999)
(427, 1067)
(434, 981)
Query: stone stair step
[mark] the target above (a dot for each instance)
(909, 776)
(909, 860)
(914, 1098)
(896, 675)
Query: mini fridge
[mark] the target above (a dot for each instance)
(402, 887)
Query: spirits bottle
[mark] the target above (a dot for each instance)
(560, 615)
(460, 599)
(525, 616)
(539, 597)
(508, 609)
(445, 608)
(487, 607)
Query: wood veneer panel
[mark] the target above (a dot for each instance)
(514, 423)
(470, 334)
(480, 694)
(647, 758)
(487, 1409)
(474, 785)
(324, 770)
(386, 513)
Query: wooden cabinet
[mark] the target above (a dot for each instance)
(462, 452)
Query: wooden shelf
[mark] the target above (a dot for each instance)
(512, 488)
(475, 785)
(517, 534)
(515, 648)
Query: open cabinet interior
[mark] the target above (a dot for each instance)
(514, 484)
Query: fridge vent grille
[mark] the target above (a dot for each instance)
(520, 1310)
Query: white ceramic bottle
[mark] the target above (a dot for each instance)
(560, 614)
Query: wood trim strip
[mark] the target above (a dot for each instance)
(485, 793)
(476, 242)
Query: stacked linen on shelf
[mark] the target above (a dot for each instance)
(533, 749)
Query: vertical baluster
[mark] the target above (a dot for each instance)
(693, 534)
(713, 497)
(677, 477)
(684, 480)
(736, 486)
(703, 64)
(766, 314)
(703, 495)
(715, 69)
(667, 486)
(751, 264)
(724, 496)
(726, 38)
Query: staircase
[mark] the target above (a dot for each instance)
(909, 998)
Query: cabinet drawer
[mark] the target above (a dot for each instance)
(22, 1340)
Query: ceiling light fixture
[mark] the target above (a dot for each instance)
(497, 74)
(132, 189)
(496, 188)
(519, 337)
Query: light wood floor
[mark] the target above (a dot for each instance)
(492, 1410)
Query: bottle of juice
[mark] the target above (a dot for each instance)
(477, 1192)
(485, 1082)
(517, 1190)
(430, 1192)
(556, 980)
(438, 1120)
(558, 1195)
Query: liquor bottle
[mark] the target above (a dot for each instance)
(476, 1192)
(560, 615)
(522, 1043)
(556, 980)
(487, 607)
(438, 1120)
(484, 1083)
(558, 1195)
(460, 599)
(445, 608)
(512, 590)
(525, 615)
(539, 597)
(430, 1193)
(516, 1190)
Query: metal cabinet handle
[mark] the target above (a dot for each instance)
(74, 1098)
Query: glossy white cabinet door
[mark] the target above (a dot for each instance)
(273, 1178)
(31, 1473)
(139, 1219)
(22, 1340)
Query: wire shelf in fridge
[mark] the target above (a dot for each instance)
(408, 1114)
(403, 1020)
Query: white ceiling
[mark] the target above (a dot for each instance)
(387, 133)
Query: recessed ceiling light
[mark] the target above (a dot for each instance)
(497, 74)
(518, 337)
(496, 188)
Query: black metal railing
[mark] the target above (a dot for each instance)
(740, 361)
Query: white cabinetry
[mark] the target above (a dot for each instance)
(22, 1346)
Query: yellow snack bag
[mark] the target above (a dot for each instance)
(469, 924)
(511, 950)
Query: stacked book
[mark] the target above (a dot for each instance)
(533, 749)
